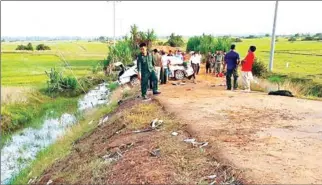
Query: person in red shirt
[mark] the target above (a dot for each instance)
(247, 65)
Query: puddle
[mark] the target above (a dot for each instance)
(23, 147)
(313, 132)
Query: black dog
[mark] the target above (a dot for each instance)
(281, 93)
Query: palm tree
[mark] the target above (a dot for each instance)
(150, 37)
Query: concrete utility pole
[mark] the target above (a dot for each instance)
(114, 20)
(273, 40)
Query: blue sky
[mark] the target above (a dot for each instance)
(95, 18)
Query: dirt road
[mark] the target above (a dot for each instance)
(272, 139)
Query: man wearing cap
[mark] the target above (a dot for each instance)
(146, 71)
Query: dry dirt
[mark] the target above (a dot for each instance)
(178, 163)
(272, 139)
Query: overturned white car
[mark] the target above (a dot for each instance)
(128, 74)
(178, 71)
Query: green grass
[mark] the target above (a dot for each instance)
(300, 66)
(63, 146)
(28, 68)
(16, 116)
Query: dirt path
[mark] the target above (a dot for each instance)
(272, 139)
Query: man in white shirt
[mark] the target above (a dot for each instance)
(199, 58)
(164, 67)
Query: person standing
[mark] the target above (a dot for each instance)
(208, 62)
(194, 64)
(247, 65)
(198, 59)
(146, 72)
(231, 61)
(164, 68)
(170, 53)
(158, 64)
(218, 63)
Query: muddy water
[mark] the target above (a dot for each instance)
(19, 152)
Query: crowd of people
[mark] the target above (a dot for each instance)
(154, 68)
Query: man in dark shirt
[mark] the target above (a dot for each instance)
(146, 71)
(232, 61)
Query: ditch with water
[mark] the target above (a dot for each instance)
(24, 146)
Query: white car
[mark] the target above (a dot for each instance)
(177, 70)
(128, 74)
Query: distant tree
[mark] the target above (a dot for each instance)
(175, 40)
(308, 38)
(266, 35)
(237, 40)
(101, 39)
(297, 35)
(318, 35)
(29, 47)
(20, 47)
(42, 47)
(2, 40)
(150, 37)
(251, 37)
(292, 39)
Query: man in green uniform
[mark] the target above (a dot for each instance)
(146, 72)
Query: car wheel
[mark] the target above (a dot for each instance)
(179, 75)
(135, 81)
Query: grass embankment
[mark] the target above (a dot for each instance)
(74, 161)
(40, 103)
(63, 146)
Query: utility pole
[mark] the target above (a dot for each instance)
(273, 40)
(114, 21)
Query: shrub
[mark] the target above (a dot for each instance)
(175, 40)
(58, 83)
(206, 43)
(292, 39)
(308, 38)
(259, 68)
(237, 40)
(20, 47)
(29, 47)
(42, 47)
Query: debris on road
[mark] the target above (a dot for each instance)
(155, 152)
(174, 133)
(281, 93)
(49, 182)
(195, 143)
(90, 122)
(154, 125)
(103, 120)
(115, 156)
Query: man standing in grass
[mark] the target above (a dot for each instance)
(146, 71)
(157, 59)
(247, 65)
(231, 61)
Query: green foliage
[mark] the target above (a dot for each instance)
(112, 86)
(42, 47)
(237, 40)
(266, 35)
(58, 83)
(97, 67)
(297, 35)
(175, 40)
(308, 38)
(122, 52)
(292, 39)
(250, 37)
(259, 68)
(206, 43)
(28, 47)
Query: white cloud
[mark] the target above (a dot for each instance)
(93, 18)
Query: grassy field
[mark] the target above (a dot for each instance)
(301, 56)
(28, 68)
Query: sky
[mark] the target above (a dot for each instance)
(95, 18)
